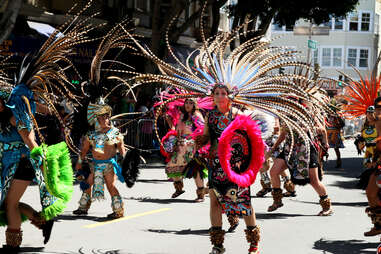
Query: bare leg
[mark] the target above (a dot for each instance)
(372, 192)
(179, 185)
(216, 233)
(200, 187)
(116, 200)
(325, 201)
(338, 158)
(316, 183)
(215, 210)
(374, 209)
(27, 210)
(265, 179)
(12, 200)
(110, 179)
(252, 232)
(199, 181)
(85, 201)
(278, 167)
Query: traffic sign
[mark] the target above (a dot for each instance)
(312, 44)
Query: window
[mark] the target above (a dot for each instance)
(326, 57)
(358, 57)
(376, 21)
(352, 55)
(315, 56)
(337, 53)
(332, 57)
(360, 21)
(353, 22)
(363, 58)
(365, 21)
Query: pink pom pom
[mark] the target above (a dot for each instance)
(253, 131)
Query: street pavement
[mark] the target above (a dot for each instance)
(156, 224)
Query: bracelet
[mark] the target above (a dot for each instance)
(79, 161)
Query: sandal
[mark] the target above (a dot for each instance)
(263, 192)
(177, 193)
(289, 194)
(274, 207)
(325, 212)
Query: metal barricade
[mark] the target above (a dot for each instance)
(146, 132)
(140, 134)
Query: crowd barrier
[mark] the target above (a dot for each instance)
(140, 134)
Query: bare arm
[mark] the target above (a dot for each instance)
(121, 148)
(204, 138)
(27, 136)
(281, 138)
(84, 150)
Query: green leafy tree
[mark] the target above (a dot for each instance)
(285, 13)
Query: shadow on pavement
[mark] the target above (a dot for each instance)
(82, 217)
(277, 215)
(152, 181)
(27, 250)
(351, 167)
(352, 184)
(352, 204)
(345, 247)
(161, 201)
(181, 232)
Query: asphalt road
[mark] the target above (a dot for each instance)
(156, 224)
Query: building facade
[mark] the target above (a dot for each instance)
(352, 41)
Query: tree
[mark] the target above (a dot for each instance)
(9, 17)
(161, 22)
(285, 13)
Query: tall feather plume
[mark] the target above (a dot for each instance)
(250, 72)
(361, 93)
(45, 72)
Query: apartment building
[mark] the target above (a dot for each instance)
(352, 41)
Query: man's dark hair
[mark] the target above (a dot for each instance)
(377, 100)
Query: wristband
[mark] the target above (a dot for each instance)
(79, 161)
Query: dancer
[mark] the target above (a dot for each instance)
(334, 127)
(184, 121)
(241, 78)
(373, 193)
(40, 84)
(361, 97)
(367, 139)
(302, 160)
(104, 140)
(273, 149)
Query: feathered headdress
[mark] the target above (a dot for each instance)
(360, 94)
(250, 73)
(170, 99)
(43, 75)
(115, 38)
